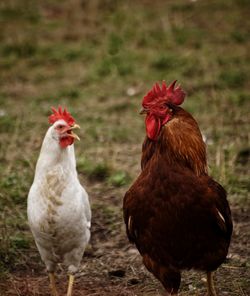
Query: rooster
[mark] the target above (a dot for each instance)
(175, 213)
(58, 209)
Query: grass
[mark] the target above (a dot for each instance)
(99, 58)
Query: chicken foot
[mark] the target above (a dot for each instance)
(70, 285)
(53, 284)
(210, 284)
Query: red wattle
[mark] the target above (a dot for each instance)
(66, 141)
(153, 126)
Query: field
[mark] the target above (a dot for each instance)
(99, 58)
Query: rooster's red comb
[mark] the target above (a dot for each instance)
(166, 94)
(61, 114)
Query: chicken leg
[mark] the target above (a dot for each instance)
(70, 285)
(210, 284)
(53, 284)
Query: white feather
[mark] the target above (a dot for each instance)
(59, 214)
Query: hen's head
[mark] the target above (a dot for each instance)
(62, 127)
(158, 104)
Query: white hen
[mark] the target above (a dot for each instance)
(58, 207)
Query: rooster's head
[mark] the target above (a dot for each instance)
(157, 104)
(62, 127)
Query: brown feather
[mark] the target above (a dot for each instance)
(175, 209)
(180, 141)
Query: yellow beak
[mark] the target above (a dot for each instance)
(75, 126)
(73, 135)
(143, 111)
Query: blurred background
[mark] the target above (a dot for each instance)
(99, 58)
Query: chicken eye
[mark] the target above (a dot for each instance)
(60, 126)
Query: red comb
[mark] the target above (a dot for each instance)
(169, 94)
(60, 114)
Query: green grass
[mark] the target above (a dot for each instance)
(94, 171)
(119, 179)
(87, 58)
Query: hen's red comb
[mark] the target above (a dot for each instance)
(169, 94)
(60, 114)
